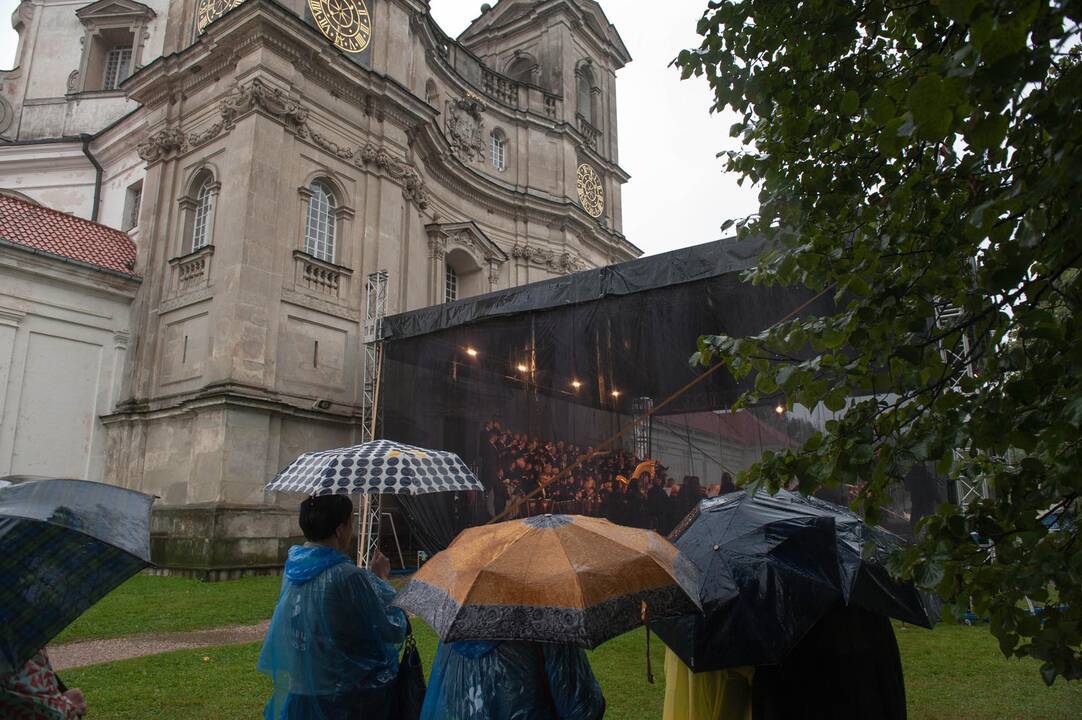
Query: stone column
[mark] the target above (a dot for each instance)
(437, 259)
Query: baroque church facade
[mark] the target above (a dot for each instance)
(277, 161)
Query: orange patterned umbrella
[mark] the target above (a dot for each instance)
(550, 578)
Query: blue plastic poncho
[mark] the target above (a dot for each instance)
(479, 680)
(332, 645)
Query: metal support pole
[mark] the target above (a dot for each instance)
(368, 530)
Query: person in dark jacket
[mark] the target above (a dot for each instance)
(846, 668)
(489, 460)
(512, 680)
(657, 506)
(689, 495)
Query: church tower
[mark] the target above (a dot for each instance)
(568, 48)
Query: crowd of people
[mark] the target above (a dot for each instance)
(332, 654)
(524, 475)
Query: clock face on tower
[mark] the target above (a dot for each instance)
(210, 10)
(591, 194)
(346, 23)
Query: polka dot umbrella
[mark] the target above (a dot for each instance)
(377, 467)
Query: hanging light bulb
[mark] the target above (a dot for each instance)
(522, 368)
(616, 393)
(779, 409)
(576, 384)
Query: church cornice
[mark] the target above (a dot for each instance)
(604, 37)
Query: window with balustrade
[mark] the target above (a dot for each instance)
(321, 225)
(197, 208)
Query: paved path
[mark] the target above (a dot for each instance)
(92, 652)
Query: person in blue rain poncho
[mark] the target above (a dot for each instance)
(332, 645)
(487, 680)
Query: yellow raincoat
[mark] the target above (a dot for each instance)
(721, 695)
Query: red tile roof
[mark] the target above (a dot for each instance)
(51, 231)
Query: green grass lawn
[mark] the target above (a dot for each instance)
(952, 673)
(147, 604)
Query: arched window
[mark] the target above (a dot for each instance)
(584, 83)
(197, 211)
(204, 208)
(320, 227)
(523, 69)
(499, 151)
(450, 283)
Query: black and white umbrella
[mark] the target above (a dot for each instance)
(377, 467)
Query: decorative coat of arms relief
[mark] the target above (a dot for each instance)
(466, 128)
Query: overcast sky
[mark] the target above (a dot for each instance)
(678, 194)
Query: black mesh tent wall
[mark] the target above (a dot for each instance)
(527, 382)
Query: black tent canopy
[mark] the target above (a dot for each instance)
(600, 338)
(555, 368)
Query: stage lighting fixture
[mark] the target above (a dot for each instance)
(576, 384)
(616, 393)
(522, 368)
(471, 352)
(780, 409)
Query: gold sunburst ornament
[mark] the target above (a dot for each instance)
(591, 193)
(346, 23)
(210, 10)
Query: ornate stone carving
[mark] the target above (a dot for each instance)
(202, 138)
(437, 247)
(161, 144)
(413, 188)
(258, 96)
(560, 262)
(7, 115)
(73, 81)
(466, 127)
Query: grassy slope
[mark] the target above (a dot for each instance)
(952, 673)
(148, 604)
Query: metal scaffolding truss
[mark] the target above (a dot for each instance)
(643, 446)
(958, 351)
(371, 511)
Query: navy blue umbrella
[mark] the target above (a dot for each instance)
(772, 567)
(64, 544)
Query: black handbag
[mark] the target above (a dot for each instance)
(410, 683)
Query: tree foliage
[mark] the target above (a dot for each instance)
(920, 162)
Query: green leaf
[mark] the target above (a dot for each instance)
(931, 106)
(850, 103)
(957, 10)
(988, 133)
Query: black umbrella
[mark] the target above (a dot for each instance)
(64, 544)
(790, 559)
